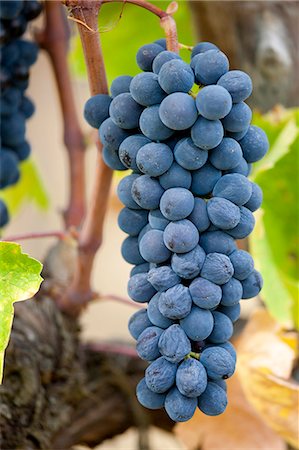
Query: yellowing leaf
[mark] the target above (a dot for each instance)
(238, 428)
(266, 355)
(19, 280)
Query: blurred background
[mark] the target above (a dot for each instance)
(262, 39)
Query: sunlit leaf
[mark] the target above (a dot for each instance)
(19, 280)
(29, 188)
(266, 355)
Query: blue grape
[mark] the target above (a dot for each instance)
(254, 144)
(221, 383)
(199, 215)
(27, 107)
(191, 378)
(146, 192)
(154, 159)
(233, 187)
(213, 102)
(228, 346)
(4, 214)
(175, 176)
(162, 42)
(205, 294)
(188, 265)
(128, 150)
(217, 242)
(179, 407)
(176, 302)
(155, 315)
(146, 55)
(231, 292)
(111, 135)
(207, 134)
(210, 66)
(233, 311)
(148, 398)
(198, 325)
(10, 101)
(181, 236)
(111, 159)
(213, 401)
(12, 129)
(202, 47)
(256, 198)
(162, 58)
(237, 135)
(163, 278)
(146, 90)
(178, 111)
(147, 343)
(96, 110)
(218, 363)
(120, 85)
(227, 155)
(152, 247)
(9, 168)
(245, 225)
(242, 263)
(160, 375)
(223, 213)
(157, 220)
(176, 203)
(130, 251)
(176, 76)
(131, 221)
(252, 285)
(22, 151)
(10, 9)
(138, 322)
(204, 179)
(223, 328)
(238, 119)
(152, 126)
(143, 232)
(237, 83)
(140, 268)
(124, 191)
(242, 168)
(174, 344)
(139, 288)
(217, 268)
(125, 111)
(188, 155)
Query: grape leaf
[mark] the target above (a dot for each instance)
(274, 241)
(28, 188)
(19, 280)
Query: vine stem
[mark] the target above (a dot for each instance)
(106, 347)
(54, 40)
(85, 13)
(46, 234)
(123, 300)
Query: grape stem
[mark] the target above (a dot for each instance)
(194, 355)
(47, 234)
(109, 347)
(54, 40)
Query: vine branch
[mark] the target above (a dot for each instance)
(85, 14)
(54, 40)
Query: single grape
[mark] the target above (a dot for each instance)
(207, 134)
(191, 378)
(254, 144)
(146, 192)
(120, 85)
(181, 236)
(174, 344)
(160, 375)
(231, 292)
(237, 83)
(155, 315)
(227, 155)
(218, 363)
(242, 263)
(154, 159)
(131, 221)
(157, 220)
(232, 312)
(199, 215)
(224, 214)
(198, 325)
(213, 102)
(152, 126)
(223, 328)
(162, 58)
(147, 343)
(217, 268)
(213, 401)
(111, 159)
(188, 155)
(96, 110)
(138, 322)
(175, 303)
(152, 247)
(178, 111)
(176, 176)
(111, 135)
(233, 187)
(146, 55)
(210, 66)
(130, 251)
(146, 90)
(124, 191)
(176, 76)
(217, 242)
(256, 198)
(176, 203)
(252, 285)
(148, 398)
(245, 225)
(140, 268)
(205, 179)
(238, 118)
(129, 148)
(163, 278)
(205, 294)
(125, 111)
(202, 47)
(188, 265)
(179, 407)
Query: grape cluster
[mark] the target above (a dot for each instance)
(16, 56)
(186, 201)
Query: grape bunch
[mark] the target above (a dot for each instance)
(186, 201)
(16, 56)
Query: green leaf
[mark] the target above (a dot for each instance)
(29, 188)
(124, 28)
(274, 242)
(19, 280)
